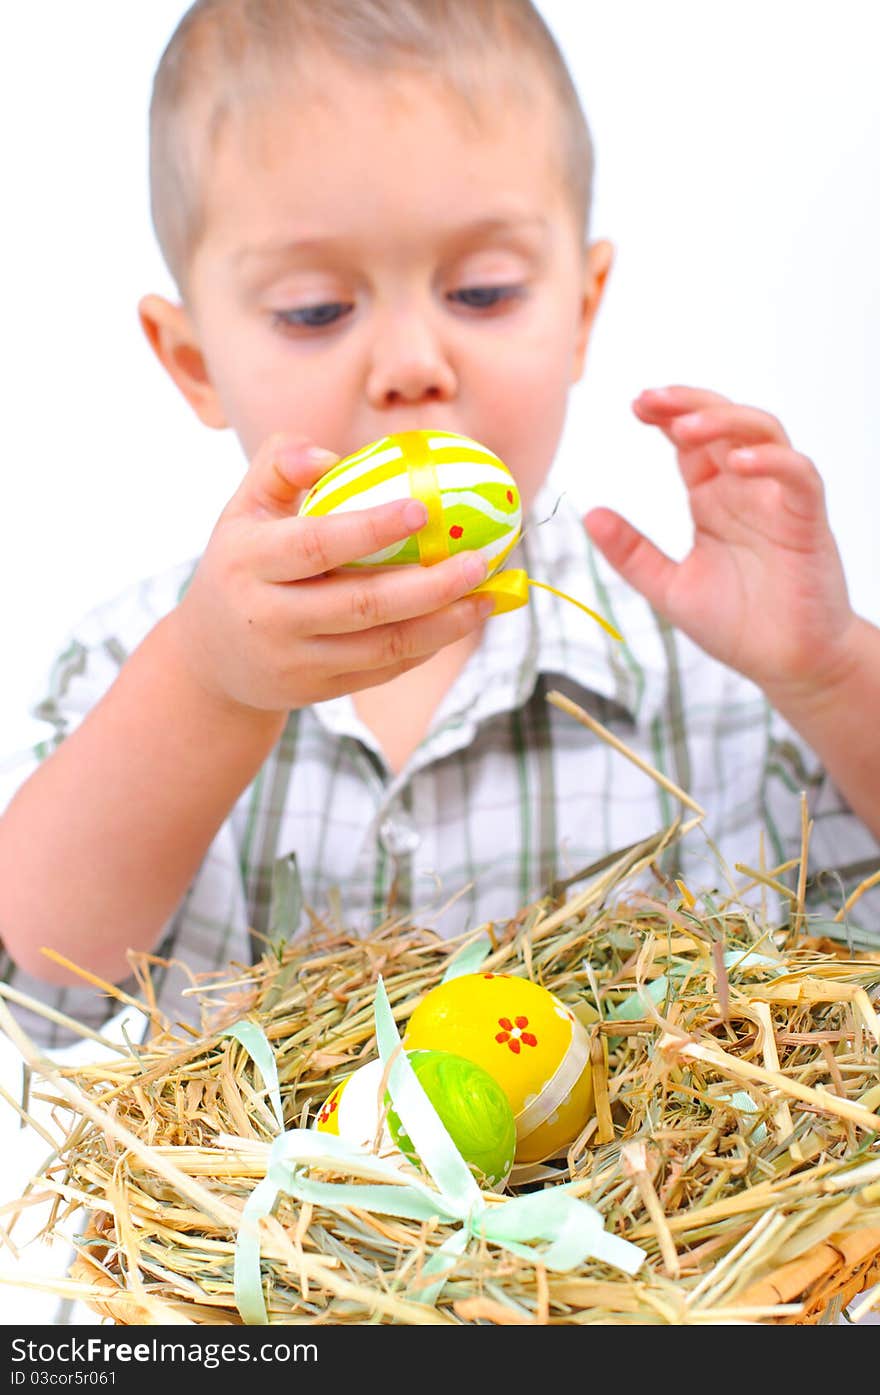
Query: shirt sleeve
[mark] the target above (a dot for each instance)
(717, 736)
(843, 853)
(86, 667)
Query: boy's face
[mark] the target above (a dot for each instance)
(373, 261)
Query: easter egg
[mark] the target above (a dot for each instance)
(473, 1108)
(472, 499)
(351, 1110)
(527, 1039)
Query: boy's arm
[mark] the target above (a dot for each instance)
(99, 845)
(838, 718)
(763, 588)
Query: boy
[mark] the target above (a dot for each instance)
(376, 213)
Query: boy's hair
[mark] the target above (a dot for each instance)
(228, 54)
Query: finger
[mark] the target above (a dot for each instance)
(656, 405)
(630, 553)
(369, 678)
(728, 421)
(283, 468)
(386, 646)
(804, 491)
(348, 602)
(292, 549)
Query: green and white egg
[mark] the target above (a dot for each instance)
(470, 1104)
(472, 499)
(351, 1110)
(473, 1108)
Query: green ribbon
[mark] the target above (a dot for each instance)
(744, 1103)
(256, 1043)
(552, 1227)
(469, 959)
(635, 1006)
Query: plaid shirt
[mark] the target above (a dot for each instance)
(504, 796)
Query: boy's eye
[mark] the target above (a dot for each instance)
(484, 297)
(314, 316)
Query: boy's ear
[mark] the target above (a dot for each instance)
(174, 342)
(598, 259)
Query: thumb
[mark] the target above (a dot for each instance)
(630, 553)
(281, 471)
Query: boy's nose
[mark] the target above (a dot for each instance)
(409, 366)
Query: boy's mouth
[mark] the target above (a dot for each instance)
(395, 425)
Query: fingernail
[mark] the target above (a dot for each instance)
(688, 423)
(742, 456)
(415, 515)
(485, 607)
(651, 397)
(474, 568)
(316, 455)
(294, 454)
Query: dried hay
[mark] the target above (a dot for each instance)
(736, 1136)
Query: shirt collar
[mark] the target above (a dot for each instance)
(546, 637)
(628, 672)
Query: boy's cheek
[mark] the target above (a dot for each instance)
(275, 396)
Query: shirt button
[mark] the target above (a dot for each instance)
(398, 834)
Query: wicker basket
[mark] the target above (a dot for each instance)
(792, 1242)
(825, 1279)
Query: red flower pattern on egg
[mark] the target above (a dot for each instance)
(514, 1035)
(328, 1109)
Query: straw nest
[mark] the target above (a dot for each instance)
(737, 1074)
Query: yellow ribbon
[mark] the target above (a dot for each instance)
(423, 484)
(510, 590)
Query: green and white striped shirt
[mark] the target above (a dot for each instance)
(505, 795)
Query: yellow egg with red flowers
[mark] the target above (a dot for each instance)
(472, 499)
(528, 1040)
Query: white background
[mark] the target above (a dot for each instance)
(737, 175)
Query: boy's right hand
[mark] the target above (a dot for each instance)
(268, 622)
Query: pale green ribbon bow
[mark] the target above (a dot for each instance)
(573, 1229)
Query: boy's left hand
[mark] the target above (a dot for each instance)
(762, 588)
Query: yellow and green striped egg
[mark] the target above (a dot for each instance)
(472, 499)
